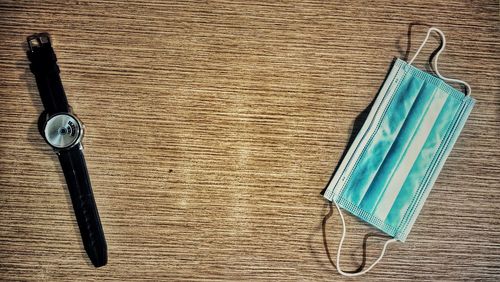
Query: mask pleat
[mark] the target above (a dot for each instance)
(385, 186)
(444, 108)
(377, 150)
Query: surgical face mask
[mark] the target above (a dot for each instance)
(390, 168)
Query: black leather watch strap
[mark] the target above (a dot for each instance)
(63, 132)
(87, 216)
(44, 67)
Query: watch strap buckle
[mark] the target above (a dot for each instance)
(38, 40)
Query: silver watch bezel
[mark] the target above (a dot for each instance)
(80, 132)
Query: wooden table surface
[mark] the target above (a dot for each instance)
(212, 128)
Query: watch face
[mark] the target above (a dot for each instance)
(63, 131)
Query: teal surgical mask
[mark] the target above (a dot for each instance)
(390, 168)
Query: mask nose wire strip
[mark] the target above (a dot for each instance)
(435, 63)
(340, 249)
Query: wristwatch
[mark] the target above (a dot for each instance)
(63, 131)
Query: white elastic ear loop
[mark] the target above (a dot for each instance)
(340, 248)
(443, 39)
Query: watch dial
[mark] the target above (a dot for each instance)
(62, 131)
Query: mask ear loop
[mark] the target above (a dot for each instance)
(340, 249)
(435, 63)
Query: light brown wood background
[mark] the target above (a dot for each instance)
(213, 126)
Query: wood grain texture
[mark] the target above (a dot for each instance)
(213, 126)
